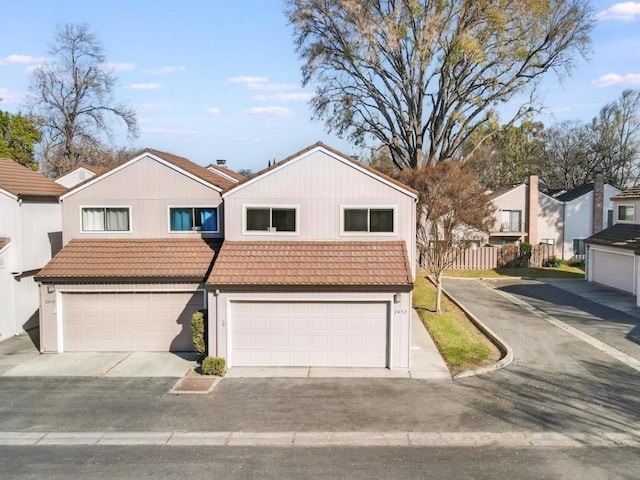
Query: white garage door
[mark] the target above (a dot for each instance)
(613, 269)
(111, 322)
(309, 334)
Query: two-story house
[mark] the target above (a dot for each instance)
(30, 234)
(613, 254)
(316, 268)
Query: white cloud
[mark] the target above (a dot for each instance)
(120, 67)
(261, 83)
(285, 97)
(610, 79)
(155, 106)
(274, 110)
(167, 70)
(21, 59)
(248, 80)
(625, 11)
(213, 111)
(144, 86)
(10, 98)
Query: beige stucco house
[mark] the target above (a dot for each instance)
(30, 234)
(316, 267)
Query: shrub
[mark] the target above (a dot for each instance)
(526, 249)
(553, 262)
(509, 255)
(214, 366)
(199, 331)
(576, 263)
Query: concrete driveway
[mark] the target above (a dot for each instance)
(19, 357)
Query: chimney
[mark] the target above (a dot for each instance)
(532, 237)
(221, 161)
(598, 202)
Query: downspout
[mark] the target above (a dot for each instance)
(19, 241)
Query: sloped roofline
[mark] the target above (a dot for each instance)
(145, 153)
(342, 157)
(526, 185)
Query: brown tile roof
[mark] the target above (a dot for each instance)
(193, 168)
(312, 263)
(24, 182)
(633, 192)
(4, 241)
(621, 235)
(335, 152)
(131, 259)
(227, 171)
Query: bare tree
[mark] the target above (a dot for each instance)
(451, 205)
(421, 76)
(566, 158)
(71, 99)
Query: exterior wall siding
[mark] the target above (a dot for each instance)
(515, 199)
(551, 222)
(399, 334)
(149, 188)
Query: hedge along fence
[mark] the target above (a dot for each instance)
(486, 258)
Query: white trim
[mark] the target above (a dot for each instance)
(369, 233)
(214, 169)
(616, 251)
(71, 172)
(8, 194)
(6, 247)
(319, 148)
(98, 178)
(617, 212)
(59, 322)
(108, 232)
(271, 207)
(194, 232)
(302, 299)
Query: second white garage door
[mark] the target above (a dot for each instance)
(318, 334)
(613, 269)
(141, 321)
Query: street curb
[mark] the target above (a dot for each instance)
(505, 349)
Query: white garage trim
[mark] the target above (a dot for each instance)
(60, 304)
(313, 299)
(628, 256)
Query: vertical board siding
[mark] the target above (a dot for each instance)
(487, 258)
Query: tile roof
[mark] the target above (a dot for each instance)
(24, 182)
(193, 168)
(621, 235)
(131, 259)
(633, 192)
(335, 152)
(4, 241)
(312, 263)
(227, 171)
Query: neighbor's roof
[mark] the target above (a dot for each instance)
(21, 181)
(131, 259)
(227, 171)
(4, 241)
(629, 193)
(333, 151)
(575, 192)
(306, 263)
(621, 235)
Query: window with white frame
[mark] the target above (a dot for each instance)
(626, 213)
(106, 219)
(271, 219)
(367, 220)
(193, 219)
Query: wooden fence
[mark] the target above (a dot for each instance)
(486, 258)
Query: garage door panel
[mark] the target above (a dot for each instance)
(148, 321)
(309, 334)
(613, 269)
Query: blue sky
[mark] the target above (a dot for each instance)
(221, 79)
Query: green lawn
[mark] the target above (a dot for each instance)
(461, 344)
(562, 272)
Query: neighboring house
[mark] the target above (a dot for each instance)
(81, 173)
(139, 241)
(587, 210)
(316, 268)
(613, 254)
(30, 234)
(523, 214)
(220, 167)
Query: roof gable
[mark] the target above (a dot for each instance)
(20, 181)
(180, 164)
(232, 175)
(332, 153)
(628, 194)
(621, 235)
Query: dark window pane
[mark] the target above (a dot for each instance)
(207, 219)
(258, 219)
(381, 220)
(625, 213)
(283, 219)
(181, 219)
(355, 220)
(578, 247)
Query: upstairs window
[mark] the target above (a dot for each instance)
(105, 219)
(511, 221)
(368, 220)
(271, 219)
(626, 213)
(193, 219)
